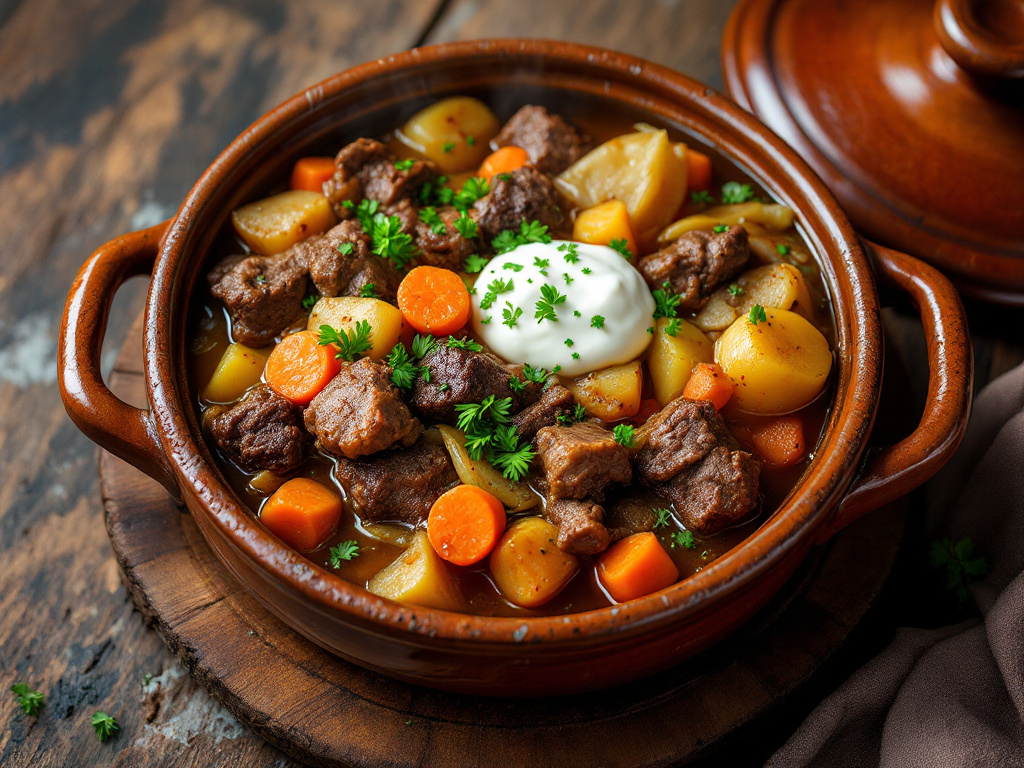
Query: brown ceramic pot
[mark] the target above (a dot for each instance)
(509, 656)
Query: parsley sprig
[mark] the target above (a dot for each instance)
(351, 344)
(577, 414)
(390, 242)
(369, 291)
(757, 315)
(511, 314)
(666, 301)
(497, 287)
(536, 375)
(472, 190)
(623, 434)
(663, 517)
(491, 436)
(682, 539)
(346, 550)
(733, 192)
(550, 298)
(529, 232)
(104, 725)
(432, 219)
(30, 701)
(622, 247)
(474, 263)
(467, 344)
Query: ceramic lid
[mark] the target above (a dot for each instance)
(912, 111)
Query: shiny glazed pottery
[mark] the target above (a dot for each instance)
(513, 656)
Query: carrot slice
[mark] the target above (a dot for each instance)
(302, 513)
(434, 300)
(310, 173)
(504, 160)
(603, 223)
(779, 442)
(709, 382)
(698, 171)
(298, 368)
(465, 523)
(636, 566)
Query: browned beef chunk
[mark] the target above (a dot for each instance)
(398, 485)
(405, 210)
(690, 457)
(261, 431)
(552, 143)
(459, 376)
(554, 401)
(526, 195)
(340, 263)
(580, 526)
(262, 293)
(697, 263)
(580, 461)
(366, 168)
(447, 249)
(360, 412)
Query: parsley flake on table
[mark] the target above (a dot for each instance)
(351, 344)
(666, 301)
(961, 568)
(597, 321)
(345, 248)
(474, 263)
(346, 550)
(310, 301)
(104, 725)
(733, 192)
(536, 375)
(497, 287)
(368, 291)
(550, 298)
(467, 344)
(623, 434)
(757, 315)
(673, 326)
(622, 247)
(466, 226)
(390, 242)
(511, 314)
(782, 249)
(682, 539)
(30, 701)
(664, 517)
(404, 165)
(432, 219)
(702, 197)
(720, 228)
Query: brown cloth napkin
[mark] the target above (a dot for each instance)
(952, 696)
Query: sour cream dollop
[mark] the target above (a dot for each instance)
(602, 320)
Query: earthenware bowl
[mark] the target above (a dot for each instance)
(513, 656)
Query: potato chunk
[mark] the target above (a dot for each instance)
(610, 394)
(771, 215)
(778, 365)
(527, 566)
(640, 169)
(419, 577)
(516, 496)
(275, 224)
(455, 133)
(240, 367)
(343, 312)
(672, 359)
(774, 285)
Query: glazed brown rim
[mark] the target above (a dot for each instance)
(675, 98)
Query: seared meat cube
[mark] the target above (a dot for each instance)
(580, 526)
(447, 249)
(696, 264)
(580, 461)
(555, 400)
(340, 263)
(526, 195)
(366, 168)
(690, 457)
(397, 485)
(261, 431)
(552, 143)
(262, 293)
(459, 376)
(360, 412)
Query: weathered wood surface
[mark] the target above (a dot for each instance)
(109, 110)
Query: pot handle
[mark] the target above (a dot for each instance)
(892, 472)
(122, 429)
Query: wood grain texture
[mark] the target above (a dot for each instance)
(109, 111)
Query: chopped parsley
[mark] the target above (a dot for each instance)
(351, 344)
(491, 436)
(471, 140)
(577, 313)
(569, 342)
(472, 190)
(622, 247)
(720, 228)
(467, 344)
(757, 315)
(529, 232)
(541, 264)
(782, 249)
(390, 242)
(961, 568)
(571, 251)
(474, 263)
(536, 375)
(466, 226)
(673, 326)
(575, 355)
(310, 301)
(436, 192)
(568, 280)
(404, 165)
(623, 434)
(403, 370)
(432, 219)
(733, 192)
(597, 321)
(513, 266)
(702, 197)
(586, 270)
(516, 385)
(346, 550)
(423, 345)
(736, 290)
(486, 320)
(104, 725)
(579, 413)
(497, 287)
(666, 301)
(505, 176)
(511, 314)
(261, 279)
(663, 518)
(365, 212)
(368, 291)
(345, 248)
(30, 701)
(550, 298)
(448, 146)
(682, 539)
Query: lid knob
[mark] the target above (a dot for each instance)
(985, 37)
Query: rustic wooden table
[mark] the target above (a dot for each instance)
(109, 110)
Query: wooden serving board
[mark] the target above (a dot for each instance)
(327, 712)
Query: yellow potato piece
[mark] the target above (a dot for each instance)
(640, 169)
(612, 393)
(778, 366)
(396, 535)
(240, 367)
(266, 482)
(527, 566)
(671, 359)
(343, 312)
(516, 496)
(275, 224)
(773, 285)
(419, 577)
(771, 215)
(455, 133)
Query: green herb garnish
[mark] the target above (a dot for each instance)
(720, 228)
(673, 326)
(467, 344)
(104, 725)
(346, 550)
(466, 226)
(736, 290)
(30, 701)
(448, 146)
(664, 517)
(733, 192)
(782, 249)
(682, 539)
(570, 251)
(757, 315)
(623, 434)
(550, 298)
(368, 291)
(345, 248)
(622, 247)
(536, 375)
(597, 321)
(497, 287)
(511, 314)
(390, 242)
(702, 197)
(432, 219)
(666, 301)
(310, 301)
(529, 232)
(474, 263)
(404, 165)
(351, 344)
